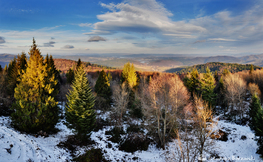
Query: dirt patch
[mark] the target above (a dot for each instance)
(220, 135)
(72, 143)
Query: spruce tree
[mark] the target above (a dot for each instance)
(193, 82)
(221, 93)
(207, 86)
(17, 67)
(254, 110)
(70, 76)
(80, 115)
(102, 87)
(216, 76)
(51, 70)
(109, 76)
(256, 122)
(79, 63)
(35, 108)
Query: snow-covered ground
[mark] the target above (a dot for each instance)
(18, 147)
(235, 148)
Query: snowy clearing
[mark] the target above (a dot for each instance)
(19, 147)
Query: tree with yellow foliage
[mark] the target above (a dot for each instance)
(35, 108)
(129, 75)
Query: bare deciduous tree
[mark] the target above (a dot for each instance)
(235, 88)
(120, 99)
(162, 101)
(184, 147)
(204, 125)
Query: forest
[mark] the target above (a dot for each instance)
(177, 113)
(214, 66)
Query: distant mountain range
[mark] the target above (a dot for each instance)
(5, 59)
(159, 62)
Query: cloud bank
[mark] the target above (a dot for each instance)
(68, 47)
(141, 16)
(49, 44)
(2, 40)
(96, 39)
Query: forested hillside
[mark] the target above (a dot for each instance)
(65, 64)
(214, 66)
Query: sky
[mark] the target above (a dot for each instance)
(66, 27)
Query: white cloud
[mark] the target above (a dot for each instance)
(68, 47)
(141, 16)
(2, 40)
(221, 39)
(96, 39)
(49, 44)
(85, 24)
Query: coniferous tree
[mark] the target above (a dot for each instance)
(254, 113)
(1, 69)
(21, 61)
(256, 122)
(102, 87)
(51, 70)
(216, 76)
(80, 114)
(35, 108)
(70, 76)
(6, 68)
(109, 76)
(221, 93)
(12, 73)
(79, 63)
(193, 82)
(207, 86)
(17, 67)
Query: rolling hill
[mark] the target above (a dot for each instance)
(213, 66)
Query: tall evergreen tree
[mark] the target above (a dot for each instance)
(102, 87)
(193, 82)
(1, 69)
(221, 93)
(21, 61)
(79, 63)
(256, 122)
(207, 86)
(12, 73)
(80, 115)
(70, 76)
(216, 76)
(17, 67)
(51, 70)
(109, 76)
(6, 68)
(35, 108)
(254, 110)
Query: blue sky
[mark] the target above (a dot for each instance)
(211, 27)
